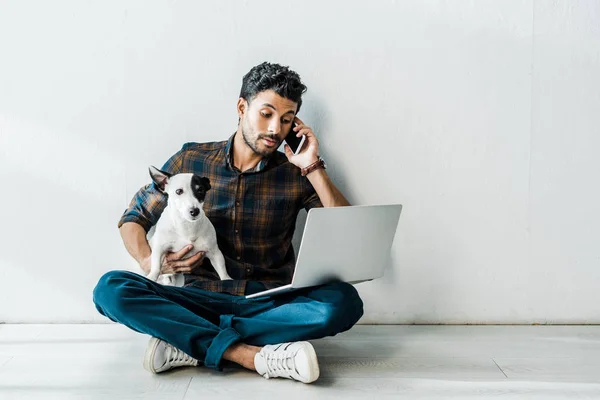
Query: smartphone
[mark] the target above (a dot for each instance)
(293, 141)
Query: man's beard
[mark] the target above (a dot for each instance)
(254, 144)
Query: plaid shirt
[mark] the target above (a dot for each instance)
(253, 212)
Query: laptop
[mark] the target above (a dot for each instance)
(350, 244)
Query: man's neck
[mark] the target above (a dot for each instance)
(244, 158)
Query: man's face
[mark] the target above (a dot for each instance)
(266, 121)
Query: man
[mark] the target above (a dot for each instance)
(255, 198)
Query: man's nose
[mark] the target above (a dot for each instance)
(274, 127)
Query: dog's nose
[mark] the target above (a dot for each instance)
(194, 212)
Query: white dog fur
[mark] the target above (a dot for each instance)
(183, 222)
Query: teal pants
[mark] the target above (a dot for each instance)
(204, 324)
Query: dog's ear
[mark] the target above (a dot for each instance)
(160, 178)
(205, 182)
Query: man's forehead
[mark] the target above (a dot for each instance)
(270, 99)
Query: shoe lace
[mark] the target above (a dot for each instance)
(280, 363)
(178, 358)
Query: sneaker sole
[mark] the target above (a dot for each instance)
(314, 364)
(149, 355)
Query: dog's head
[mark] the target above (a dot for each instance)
(186, 191)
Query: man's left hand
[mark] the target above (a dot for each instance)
(309, 153)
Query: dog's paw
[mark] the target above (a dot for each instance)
(172, 280)
(166, 280)
(153, 276)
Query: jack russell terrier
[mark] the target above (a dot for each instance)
(183, 222)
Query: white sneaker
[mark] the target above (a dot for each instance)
(296, 360)
(161, 356)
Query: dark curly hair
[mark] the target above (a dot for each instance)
(278, 78)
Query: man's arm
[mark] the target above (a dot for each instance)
(328, 193)
(134, 239)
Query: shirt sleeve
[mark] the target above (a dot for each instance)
(149, 202)
(311, 198)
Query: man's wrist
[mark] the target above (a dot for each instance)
(308, 163)
(316, 165)
(317, 174)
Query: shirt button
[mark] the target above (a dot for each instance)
(237, 203)
(247, 269)
(238, 258)
(237, 231)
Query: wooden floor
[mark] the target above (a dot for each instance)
(376, 362)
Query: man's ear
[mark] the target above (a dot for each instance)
(242, 107)
(160, 178)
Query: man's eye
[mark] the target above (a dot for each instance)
(179, 191)
(287, 122)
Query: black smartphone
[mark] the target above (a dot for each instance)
(293, 141)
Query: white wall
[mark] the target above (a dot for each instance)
(482, 118)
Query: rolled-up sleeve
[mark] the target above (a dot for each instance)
(149, 202)
(311, 198)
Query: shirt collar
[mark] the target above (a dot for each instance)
(229, 156)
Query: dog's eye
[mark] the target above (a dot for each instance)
(179, 191)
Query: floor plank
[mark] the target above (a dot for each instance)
(104, 361)
(552, 369)
(426, 367)
(465, 341)
(251, 387)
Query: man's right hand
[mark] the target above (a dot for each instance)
(175, 263)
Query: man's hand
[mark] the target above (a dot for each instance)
(329, 195)
(310, 154)
(175, 262)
